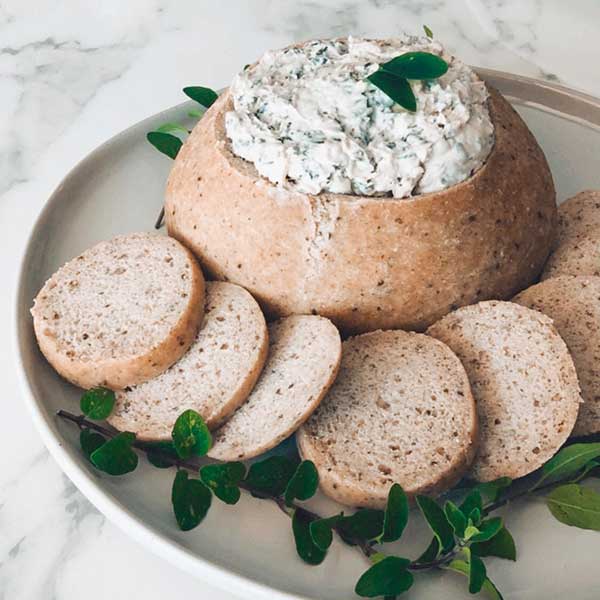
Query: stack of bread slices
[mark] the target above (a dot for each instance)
(493, 389)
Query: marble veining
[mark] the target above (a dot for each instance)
(74, 73)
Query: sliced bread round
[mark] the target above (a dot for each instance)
(304, 356)
(573, 304)
(575, 256)
(120, 313)
(523, 380)
(400, 411)
(579, 216)
(213, 378)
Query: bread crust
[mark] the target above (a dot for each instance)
(119, 373)
(366, 262)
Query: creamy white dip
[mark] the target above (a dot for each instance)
(309, 121)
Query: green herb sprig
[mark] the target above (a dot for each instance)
(464, 533)
(392, 77)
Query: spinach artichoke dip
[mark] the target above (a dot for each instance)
(309, 121)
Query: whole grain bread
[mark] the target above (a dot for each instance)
(576, 255)
(304, 356)
(213, 377)
(366, 262)
(400, 411)
(579, 216)
(573, 304)
(523, 380)
(120, 313)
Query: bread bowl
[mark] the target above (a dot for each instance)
(366, 262)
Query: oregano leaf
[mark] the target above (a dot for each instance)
(172, 128)
(307, 550)
(271, 475)
(90, 441)
(303, 484)
(321, 531)
(166, 143)
(224, 479)
(190, 499)
(416, 65)
(477, 574)
(471, 502)
(97, 403)
(575, 505)
(387, 577)
(161, 454)
(490, 490)
(437, 521)
(396, 514)
(456, 518)
(567, 461)
(431, 552)
(364, 525)
(461, 566)
(487, 530)
(116, 456)
(202, 95)
(396, 88)
(190, 434)
(501, 545)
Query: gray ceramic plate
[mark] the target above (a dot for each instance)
(249, 549)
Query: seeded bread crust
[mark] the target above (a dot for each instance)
(577, 255)
(304, 357)
(364, 262)
(120, 313)
(214, 377)
(523, 380)
(400, 411)
(573, 304)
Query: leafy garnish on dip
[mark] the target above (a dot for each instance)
(393, 77)
(463, 531)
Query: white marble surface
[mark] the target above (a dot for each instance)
(75, 72)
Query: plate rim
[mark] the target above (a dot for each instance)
(146, 535)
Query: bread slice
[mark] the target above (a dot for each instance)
(120, 313)
(213, 378)
(400, 411)
(523, 380)
(575, 256)
(304, 356)
(579, 216)
(573, 304)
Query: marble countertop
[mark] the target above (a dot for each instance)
(72, 74)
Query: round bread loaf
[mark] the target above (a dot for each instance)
(214, 376)
(523, 380)
(120, 313)
(304, 356)
(366, 262)
(573, 304)
(400, 411)
(579, 216)
(577, 255)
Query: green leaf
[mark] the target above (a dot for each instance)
(487, 530)
(396, 514)
(428, 32)
(191, 435)
(364, 525)
(321, 531)
(437, 521)
(203, 95)
(471, 502)
(416, 65)
(97, 403)
(161, 454)
(431, 553)
(271, 476)
(490, 490)
(90, 441)
(456, 518)
(475, 517)
(307, 550)
(396, 88)
(172, 128)
(303, 484)
(116, 457)
(470, 531)
(190, 499)
(589, 470)
(567, 462)
(501, 545)
(388, 577)
(477, 574)
(195, 114)
(224, 479)
(461, 566)
(166, 143)
(575, 505)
